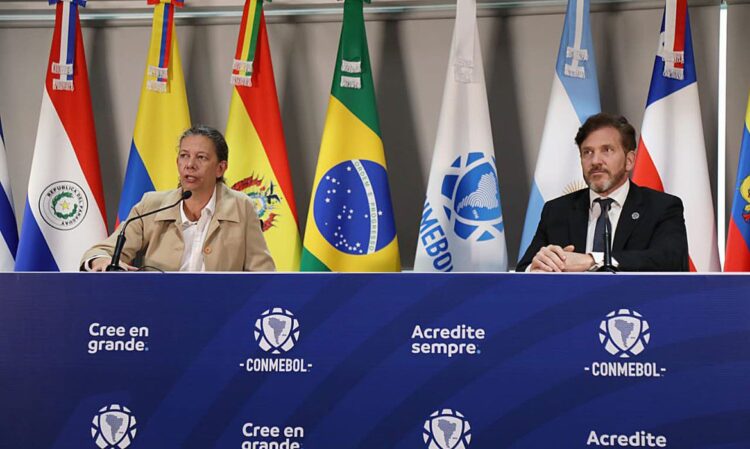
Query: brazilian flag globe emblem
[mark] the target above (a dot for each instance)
(350, 225)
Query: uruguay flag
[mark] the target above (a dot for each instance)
(671, 151)
(64, 213)
(462, 225)
(8, 229)
(738, 237)
(574, 98)
(163, 114)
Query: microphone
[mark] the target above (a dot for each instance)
(607, 267)
(120, 244)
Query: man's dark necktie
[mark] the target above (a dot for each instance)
(604, 204)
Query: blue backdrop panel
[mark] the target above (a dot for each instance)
(151, 361)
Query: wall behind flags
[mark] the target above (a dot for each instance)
(409, 53)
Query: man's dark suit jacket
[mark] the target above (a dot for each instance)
(650, 235)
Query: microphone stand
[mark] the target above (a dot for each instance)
(607, 267)
(120, 244)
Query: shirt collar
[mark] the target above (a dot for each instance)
(208, 209)
(619, 195)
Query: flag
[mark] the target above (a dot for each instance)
(8, 228)
(462, 221)
(738, 237)
(350, 225)
(163, 114)
(574, 98)
(64, 212)
(258, 164)
(671, 151)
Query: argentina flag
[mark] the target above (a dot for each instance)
(574, 98)
(8, 228)
(462, 225)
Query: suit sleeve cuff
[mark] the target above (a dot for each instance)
(599, 261)
(87, 263)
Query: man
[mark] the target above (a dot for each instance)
(215, 229)
(647, 227)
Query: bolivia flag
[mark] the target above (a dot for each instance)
(350, 224)
(258, 164)
(162, 117)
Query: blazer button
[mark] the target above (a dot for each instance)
(207, 250)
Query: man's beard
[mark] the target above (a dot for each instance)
(613, 180)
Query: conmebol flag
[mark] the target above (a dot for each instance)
(462, 221)
(350, 224)
(738, 237)
(574, 98)
(671, 151)
(65, 205)
(258, 164)
(8, 229)
(162, 114)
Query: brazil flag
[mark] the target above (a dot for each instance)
(350, 223)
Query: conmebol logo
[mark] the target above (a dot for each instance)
(277, 330)
(624, 333)
(113, 427)
(447, 429)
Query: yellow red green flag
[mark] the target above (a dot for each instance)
(258, 163)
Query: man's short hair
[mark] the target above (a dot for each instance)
(604, 120)
(212, 134)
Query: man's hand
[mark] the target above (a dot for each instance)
(577, 262)
(549, 259)
(555, 259)
(101, 264)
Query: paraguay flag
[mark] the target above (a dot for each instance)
(462, 225)
(258, 164)
(64, 213)
(350, 225)
(574, 98)
(738, 238)
(671, 152)
(8, 229)
(163, 114)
